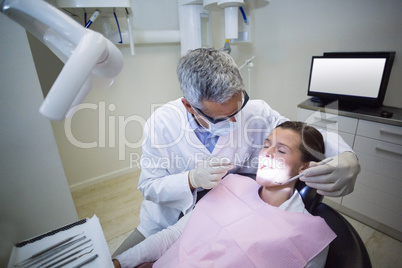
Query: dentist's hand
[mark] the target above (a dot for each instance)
(209, 172)
(336, 178)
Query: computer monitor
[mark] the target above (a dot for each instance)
(356, 77)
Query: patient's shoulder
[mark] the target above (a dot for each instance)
(294, 204)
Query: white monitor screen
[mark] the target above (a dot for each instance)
(347, 76)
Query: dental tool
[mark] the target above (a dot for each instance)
(298, 176)
(240, 165)
(50, 253)
(56, 256)
(73, 259)
(87, 261)
(74, 255)
(249, 61)
(46, 250)
(92, 19)
(234, 164)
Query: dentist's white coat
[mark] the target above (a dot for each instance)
(171, 149)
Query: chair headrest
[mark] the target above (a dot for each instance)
(309, 196)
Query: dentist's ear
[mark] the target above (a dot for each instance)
(187, 105)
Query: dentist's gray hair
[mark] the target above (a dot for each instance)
(208, 74)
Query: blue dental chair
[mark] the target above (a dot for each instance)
(347, 249)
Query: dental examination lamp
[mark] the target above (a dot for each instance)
(86, 54)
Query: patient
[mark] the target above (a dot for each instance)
(247, 223)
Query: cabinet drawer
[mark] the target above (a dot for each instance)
(377, 197)
(380, 149)
(371, 209)
(348, 138)
(387, 185)
(380, 131)
(381, 167)
(328, 121)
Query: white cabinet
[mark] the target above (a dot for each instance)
(378, 131)
(377, 197)
(344, 126)
(378, 188)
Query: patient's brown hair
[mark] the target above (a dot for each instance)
(312, 145)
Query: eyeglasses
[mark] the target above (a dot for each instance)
(217, 120)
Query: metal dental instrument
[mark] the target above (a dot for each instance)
(63, 253)
(235, 164)
(46, 250)
(50, 253)
(86, 261)
(66, 257)
(298, 176)
(240, 165)
(71, 260)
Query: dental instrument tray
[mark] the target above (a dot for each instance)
(74, 245)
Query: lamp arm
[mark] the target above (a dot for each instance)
(73, 75)
(37, 16)
(84, 52)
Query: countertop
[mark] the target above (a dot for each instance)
(370, 113)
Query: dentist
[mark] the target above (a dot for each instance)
(191, 143)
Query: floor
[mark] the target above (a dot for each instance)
(117, 203)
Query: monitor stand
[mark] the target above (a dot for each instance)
(336, 104)
(348, 106)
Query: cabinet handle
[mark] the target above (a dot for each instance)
(379, 148)
(390, 132)
(328, 121)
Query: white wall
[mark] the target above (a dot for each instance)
(147, 78)
(289, 32)
(286, 34)
(34, 194)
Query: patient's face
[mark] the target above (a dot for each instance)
(280, 159)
